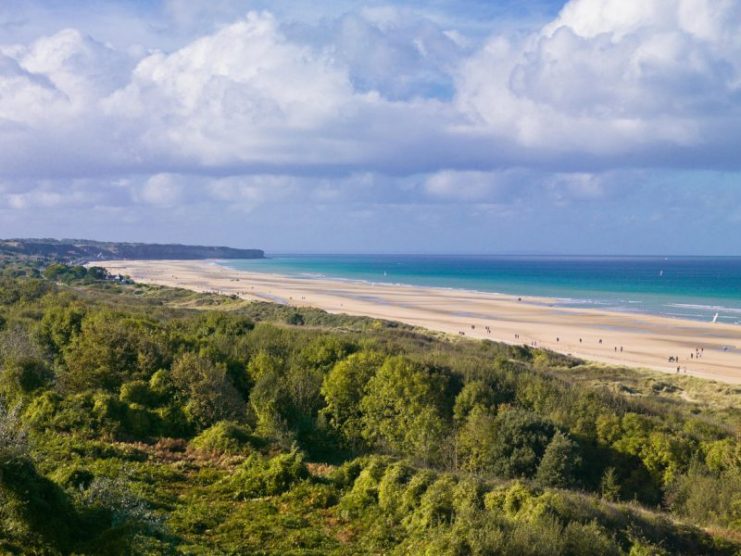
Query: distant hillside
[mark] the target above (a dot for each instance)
(86, 250)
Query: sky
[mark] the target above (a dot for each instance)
(466, 126)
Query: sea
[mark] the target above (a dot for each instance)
(698, 288)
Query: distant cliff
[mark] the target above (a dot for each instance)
(86, 250)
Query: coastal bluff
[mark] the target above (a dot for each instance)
(79, 250)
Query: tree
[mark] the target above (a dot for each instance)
(59, 325)
(476, 439)
(23, 375)
(560, 464)
(609, 485)
(402, 409)
(112, 348)
(344, 388)
(510, 444)
(473, 393)
(208, 394)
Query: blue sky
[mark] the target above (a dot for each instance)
(588, 126)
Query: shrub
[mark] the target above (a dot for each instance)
(173, 422)
(225, 437)
(392, 485)
(24, 376)
(35, 513)
(364, 492)
(475, 393)
(210, 396)
(140, 421)
(138, 392)
(587, 539)
(436, 505)
(259, 476)
(40, 412)
(73, 477)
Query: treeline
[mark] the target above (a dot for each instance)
(381, 438)
(70, 250)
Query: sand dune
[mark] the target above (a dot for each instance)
(629, 339)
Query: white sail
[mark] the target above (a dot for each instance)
(715, 318)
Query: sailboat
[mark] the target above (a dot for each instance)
(715, 318)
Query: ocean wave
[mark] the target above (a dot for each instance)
(708, 308)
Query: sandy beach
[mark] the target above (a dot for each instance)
(703, 349)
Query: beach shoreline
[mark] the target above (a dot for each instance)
(705, 350)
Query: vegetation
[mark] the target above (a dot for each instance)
(138, 419)
(71, 250)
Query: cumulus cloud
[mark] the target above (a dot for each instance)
(367, 112)
(469, 185)
(161, 189)
(604, 85)
(655, 82)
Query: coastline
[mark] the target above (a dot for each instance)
(603, 336)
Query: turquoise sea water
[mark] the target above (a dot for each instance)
(683, 287)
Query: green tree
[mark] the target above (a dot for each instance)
(402, 409)
(112, 348)
(609, 485)
(344, 388)
(560, 464)
(475, 440)
(59, 325)
(473, 393)
(208, 394)
(510, 444)
(23, 375)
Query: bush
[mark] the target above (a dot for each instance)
(225, 437)
(364, 492)
(73, 477)
(173, 421)
(259, 476)
(140, 421)
(35, 514)
(210, 396)
(436, 505)
(138, 392)
(24, 376)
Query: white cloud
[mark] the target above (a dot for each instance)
(613, 79)
(469, 185)
(605, 85)
(243, 94)
(161, 189)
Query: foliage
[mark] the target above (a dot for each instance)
(152, 420)
(225, 437)
(403, 409)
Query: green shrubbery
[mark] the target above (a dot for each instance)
(260, 476)
(225, 437)
(414, 442)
